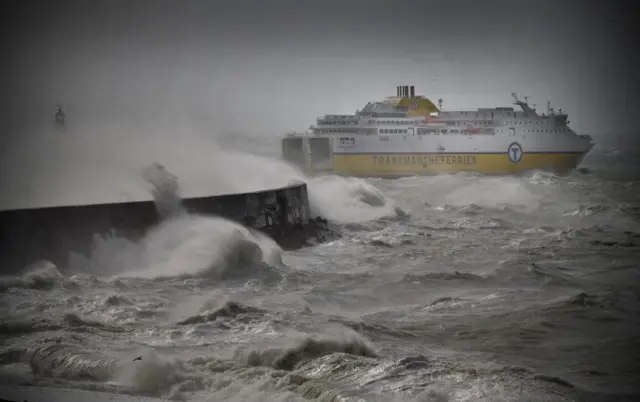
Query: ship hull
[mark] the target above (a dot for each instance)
(398, 156)
(395, 165)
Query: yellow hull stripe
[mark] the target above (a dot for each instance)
(425, 164)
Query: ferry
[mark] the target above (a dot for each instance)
(408, 135)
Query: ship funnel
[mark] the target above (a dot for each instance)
(412, 94)
(406, 91)
(398, 91)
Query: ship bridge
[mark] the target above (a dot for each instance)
(337, 120)
(383, 109)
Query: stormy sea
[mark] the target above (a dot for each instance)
(447, 288)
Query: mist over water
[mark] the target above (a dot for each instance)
(94, 165)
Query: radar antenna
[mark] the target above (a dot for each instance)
(524, 105)
(518, 101)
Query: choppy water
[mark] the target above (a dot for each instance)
(447, 288)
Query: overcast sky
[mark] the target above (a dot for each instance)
(279, 64)
(266, 67)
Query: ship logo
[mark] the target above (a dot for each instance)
(414, 105)
(515, 152)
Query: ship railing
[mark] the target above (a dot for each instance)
(337, 122)
(298, 134)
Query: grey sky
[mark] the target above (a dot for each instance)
(279, 64)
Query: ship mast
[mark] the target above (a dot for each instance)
(524, 105)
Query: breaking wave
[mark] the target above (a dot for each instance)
(39, 275)
(349, 200)
(184, 245)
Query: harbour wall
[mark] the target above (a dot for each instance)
(51, 233)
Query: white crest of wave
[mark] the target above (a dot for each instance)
(39, 274)
(491, 192)
(192, 244)
(348, 200)
(182, 245)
